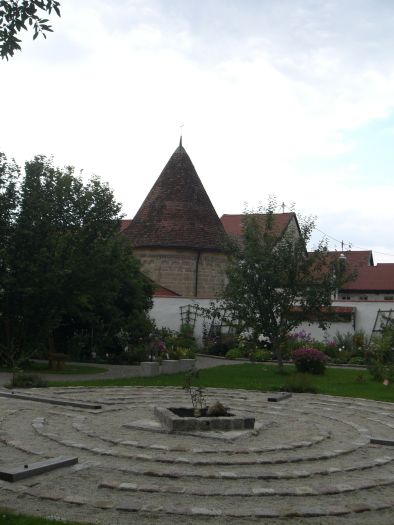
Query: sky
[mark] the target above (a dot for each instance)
(286, 98)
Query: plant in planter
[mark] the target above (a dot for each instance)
(196, 393)
(199, 403)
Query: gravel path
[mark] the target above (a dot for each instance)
(118, 371)
(308, 461)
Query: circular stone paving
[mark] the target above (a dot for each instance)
(308, 460)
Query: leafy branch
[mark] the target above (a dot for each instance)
(16, 15)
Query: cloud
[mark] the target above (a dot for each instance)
(273, 95)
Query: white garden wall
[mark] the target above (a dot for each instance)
(166, 313)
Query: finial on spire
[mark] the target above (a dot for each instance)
(180, 140)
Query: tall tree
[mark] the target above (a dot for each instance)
(15, 15)
(68, 269)
(271, 274)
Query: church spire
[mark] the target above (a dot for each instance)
(180, 139)
(177, 212)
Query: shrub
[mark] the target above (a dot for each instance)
(235, 353)
(182, 353)
(260, 355)
(342, 357)
(354, 344)
(356, 361)
(380, 355)
(299, 383)
(23, 380)
(309, 360)
(220, 344)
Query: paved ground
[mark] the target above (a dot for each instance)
(308, 461)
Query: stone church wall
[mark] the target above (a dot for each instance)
(175, 269)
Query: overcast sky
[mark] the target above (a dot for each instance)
(291, 98)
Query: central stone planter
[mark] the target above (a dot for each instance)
(182, 419)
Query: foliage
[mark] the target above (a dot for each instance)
(381, 355)
(170, 344)
(270, 273)
(299, 383)
(68, 280)
(195, 391)
(258, 355)
(15, 15)
(309, 360)
(182, 353)
(235, 353)
(131, 356)
(24, 380)
(220, 344)
(8, 518)
(350, 344)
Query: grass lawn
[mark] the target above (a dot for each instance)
(35, 367)
(264, 377)
(7, 518)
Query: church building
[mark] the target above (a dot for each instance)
(177, 234)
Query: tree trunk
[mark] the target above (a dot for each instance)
(276, 347)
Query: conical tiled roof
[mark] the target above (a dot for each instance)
(177, 211)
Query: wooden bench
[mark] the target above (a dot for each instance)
(56, 360)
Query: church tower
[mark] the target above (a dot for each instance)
(177, 234)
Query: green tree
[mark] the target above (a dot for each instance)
(16, 15)
(67, 268)
(270, 274)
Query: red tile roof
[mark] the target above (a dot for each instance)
(336, 309)
(177, 211)
(379, 278)
(355, 259)
(233, 224)
(125, 223)
(162, 291)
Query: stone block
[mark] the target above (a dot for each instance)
(32, 469)
(149, 368)
(170, 366)
(186, 364)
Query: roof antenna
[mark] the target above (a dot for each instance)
(180, 140)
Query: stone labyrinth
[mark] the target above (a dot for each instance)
(308, 461)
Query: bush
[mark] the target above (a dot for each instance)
(260, 355)
(356, 361)
(235, 353)
(220, 344)
(182, 353)
(299, 383)
(380, 356)
(23, 380)
(309, 360)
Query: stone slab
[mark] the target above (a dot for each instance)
(381, 441)
(279, 397)
(32, 469)
(50, 400)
